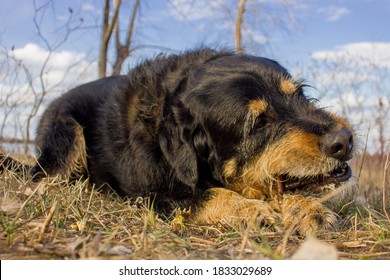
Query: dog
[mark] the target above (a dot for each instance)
(230, 138)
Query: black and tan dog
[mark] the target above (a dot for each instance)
(231, 137)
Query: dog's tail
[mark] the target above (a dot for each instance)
(11, 164)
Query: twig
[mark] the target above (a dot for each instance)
(387, 163)
(364, 153)
(286, 236)
(243, 243)
(47, 220)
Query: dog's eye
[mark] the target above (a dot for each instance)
(259, 123)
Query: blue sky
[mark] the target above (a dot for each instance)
(318, 25)
(342, 47)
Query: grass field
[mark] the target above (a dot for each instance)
(54, 219)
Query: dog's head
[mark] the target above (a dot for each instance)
(243, 121)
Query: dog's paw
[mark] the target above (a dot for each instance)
(257, 212)
(229, 208)
(305, 215)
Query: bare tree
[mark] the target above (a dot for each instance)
(31, 83)
(9, 100)
(41, 91)
(123, 50)
(108, 27)
(252, 21)
(238, 27)
(381, 118)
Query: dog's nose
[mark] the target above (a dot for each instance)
(338, 144)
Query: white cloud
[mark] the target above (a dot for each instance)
(63, 68)
(33, 55)
(343, 79)
(88, 7)
(351, 99)
(334, 13)
(358, 54)
(191, 10)
(63, 71)
(351, 79)
(255, 36)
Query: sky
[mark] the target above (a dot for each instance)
(329, 43)
(317, 25)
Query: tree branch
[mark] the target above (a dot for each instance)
(107, 29)
(123, 50)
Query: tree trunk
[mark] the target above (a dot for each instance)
(123, 50)
(238, 32)
(107, 28)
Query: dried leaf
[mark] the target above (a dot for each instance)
(120, 250)
(28, 191)
(10, 207)
(41, 189)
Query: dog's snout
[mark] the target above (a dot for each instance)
(338, 144)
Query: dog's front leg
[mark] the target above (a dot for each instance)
(230, 208)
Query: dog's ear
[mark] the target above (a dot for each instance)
(210, 167)
(176, 143)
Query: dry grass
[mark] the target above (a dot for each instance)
(54, 219)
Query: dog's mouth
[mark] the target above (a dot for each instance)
(340, 174)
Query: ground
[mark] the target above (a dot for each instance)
(55, 219)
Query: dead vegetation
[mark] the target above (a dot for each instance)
(55, 219)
